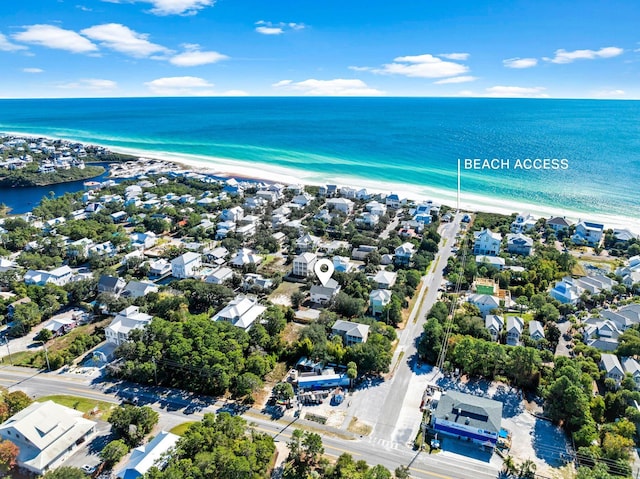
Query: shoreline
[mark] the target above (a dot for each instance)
(262, 172)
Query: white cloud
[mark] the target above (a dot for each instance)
(516, 92)
(336, 87)
(520, 62)
(563, 56)
(90, 84)
(32, 70)
(360, 69)
(180, 86)
(455, 56)
(83, 8)
(122, 39)
(462, 79)
(270, 28)
(172, 7)
(51, 36)
(507, 92)
(193, 56)
(609, 93)
(422, 66)
(7, 46)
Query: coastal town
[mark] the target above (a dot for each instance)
(155, 309)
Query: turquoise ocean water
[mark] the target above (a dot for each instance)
(415, 142)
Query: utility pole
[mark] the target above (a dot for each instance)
(46, 355)
(6, 341)
(424, 434)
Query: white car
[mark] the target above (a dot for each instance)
(88, 469)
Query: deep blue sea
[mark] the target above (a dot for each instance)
(409, 144)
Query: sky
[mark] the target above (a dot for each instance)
(459, 48)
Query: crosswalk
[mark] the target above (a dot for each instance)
(387, 444)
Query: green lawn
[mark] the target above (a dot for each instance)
(180, 429)
(84, 405)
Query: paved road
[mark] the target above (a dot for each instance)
(176, 407)
(399, 417)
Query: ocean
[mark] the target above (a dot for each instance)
(407, 145)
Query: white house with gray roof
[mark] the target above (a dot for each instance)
(242, 312)
(487, 243)
(612, 368)
(46, 434)
(351, 333)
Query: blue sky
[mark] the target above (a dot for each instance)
(532, 48)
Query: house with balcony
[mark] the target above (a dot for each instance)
(126, 321)
(487, 243)
(350, 332)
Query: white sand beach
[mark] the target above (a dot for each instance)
(225, 167)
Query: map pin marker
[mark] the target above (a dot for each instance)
(324, 269)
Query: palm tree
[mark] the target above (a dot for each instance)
(509, 465)
(528, 469)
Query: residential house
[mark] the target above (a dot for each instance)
(302, 199)
(101, 250)
(566, 291)
(125, 321)
(234, 214)
(303, 264)
(342, 264)
(536, 331)
(307, 242)
(494, 325)
(376, 208)
(242, 312)
(143, 240)
(493, 261)
(244, 257)
(159, 267)
(519, 244)
(589, 233)
(111, 284)
(385, 279)
(219, 276)
(61, 324)
(558, 224)
(612, 368)
(251, 281)
(137, 289)
(484, 302)
(58, 276)
(404, 253)
(367, 220)
(631, 366)
(624, 235)
(154, 453)
(46, 434)
(601, 334)
(343, 205)
(11, 309)
(487, 243)
(515, 325)
(473, 418)
(394, 201)
(119, 216)
(186, 265)
(523, 222)
(323, 294)
(351, 333)
(79, 248)
(378, 299)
